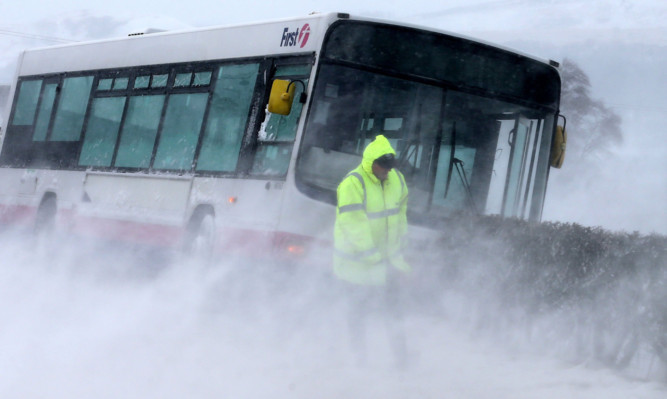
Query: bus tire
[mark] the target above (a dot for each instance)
(200, 236)
(44, 226)
(45, 218)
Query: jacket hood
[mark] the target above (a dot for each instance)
(374, 150)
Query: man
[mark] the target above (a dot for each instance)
(370, 227)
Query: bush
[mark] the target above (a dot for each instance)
(610, 288)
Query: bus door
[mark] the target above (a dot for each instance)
(275, 139)
(266, 151)
(516, 181)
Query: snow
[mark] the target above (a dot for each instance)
(101, 322)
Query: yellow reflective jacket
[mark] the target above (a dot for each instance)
(371, 221)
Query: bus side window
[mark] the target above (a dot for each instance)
(72, 108)
(26, 105)
(44, 112)
(180, 131)
(227, 117)
(102, 131)
(277, 133)
(139, 131)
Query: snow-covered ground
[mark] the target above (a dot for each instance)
(105, 323)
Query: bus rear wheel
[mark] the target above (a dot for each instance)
(45, 221)
(200, 237)
(46, 216)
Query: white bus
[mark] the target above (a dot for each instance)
(165, 138)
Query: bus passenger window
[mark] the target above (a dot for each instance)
(102, 131)
(139, 131)
(183, 79)
(141, 82)
(202, 78)
(105, 84)
(227, 117)
(180, 131)
(120, 83)
(27, 102)
(72, 108)
(159, 80)
(44, 113)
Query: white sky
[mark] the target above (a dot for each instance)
(547, 21)
(620, 44)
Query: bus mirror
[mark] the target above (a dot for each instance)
(282, 96)
(558, 147)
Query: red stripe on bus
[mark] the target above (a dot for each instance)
(16, 214)
(245, 242)
(123, 230)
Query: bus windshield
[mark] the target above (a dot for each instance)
(461, 148)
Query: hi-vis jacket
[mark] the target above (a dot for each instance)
(370, 221)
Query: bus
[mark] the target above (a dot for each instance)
(167, 138)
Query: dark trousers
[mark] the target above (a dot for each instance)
(384, 301)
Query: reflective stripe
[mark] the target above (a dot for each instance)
(402, 179)
(356, 256)
(363, 185)
(351, 207)
(403, 186)
(382, 214)
(373, 215)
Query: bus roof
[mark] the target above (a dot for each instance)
(282, 36)
(201, 44)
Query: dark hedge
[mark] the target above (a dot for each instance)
(609, 288)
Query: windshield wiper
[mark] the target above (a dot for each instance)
(455, 163)
(451, 159)
(412, 146)
(458, 164)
